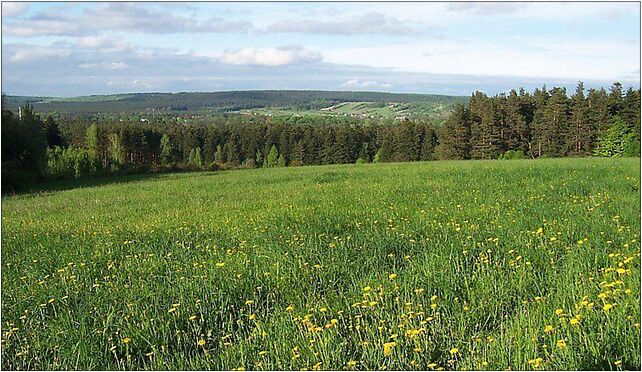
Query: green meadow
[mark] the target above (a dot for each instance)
(520, 264)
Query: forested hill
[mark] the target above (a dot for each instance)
(321, 102)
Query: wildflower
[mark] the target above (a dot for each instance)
(201, 342)
(289, 308)
(249, 302)
(559, 312)
(261, 353)
(127, 340)
(548, 329)
(352, 364)
(192, 317)
(367, 289)
(392, 276)
(454, 351)
(618, 363)
(387, 348)
(607, 307)
(535, 362)
(561, 344)
(220, 264)
(575, 321)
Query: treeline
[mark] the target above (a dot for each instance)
(546, 123)
(219, 101)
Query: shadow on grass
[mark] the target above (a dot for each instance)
(70, 184)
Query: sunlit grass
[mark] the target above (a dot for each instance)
(453, 265)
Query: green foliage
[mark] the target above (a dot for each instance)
(281, 161)
(618, 141)
(24, 144)
(133, 274)
(272, 159)
(513, 154)
(166, 149)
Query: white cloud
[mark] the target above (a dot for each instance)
(371, 23)
(367, 84)
(129, 17)
(487, 7)
(38, 53)
(104, 65)
(269, 56)
(12, 9)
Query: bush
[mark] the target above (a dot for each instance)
(617, 141)
(513, 154)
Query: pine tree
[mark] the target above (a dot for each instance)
(281, 161)
(258, 159)
(486, 132)
(630, 111)
(580, 131)
(52, 132)
(539, 122)
(454, 136)
(272, 158)
(598, 115)
(166, 149)
(555, 131)
(517, 137)
(116, 152)
(198, 161)
(218, 155)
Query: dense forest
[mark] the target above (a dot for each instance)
(546, 123)
(217, 101)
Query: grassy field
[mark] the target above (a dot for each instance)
(437, 111)
(442, 265)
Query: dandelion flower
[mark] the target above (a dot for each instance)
(548, 329)
(127, 340)
(561, 344)
(392, 276)
(607, 307)
(387, 348)
(454, 351)
(201, 342)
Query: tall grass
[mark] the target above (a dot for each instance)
(442, 265)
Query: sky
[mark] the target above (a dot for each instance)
(72, 49)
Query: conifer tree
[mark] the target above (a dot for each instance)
(454, 136)
(272, 158)
(166, 149)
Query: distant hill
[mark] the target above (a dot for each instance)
(267, 102)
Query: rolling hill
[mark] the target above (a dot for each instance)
(278, 102)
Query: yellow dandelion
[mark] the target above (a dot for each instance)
(392, 276)
(548, 329)
(127, 340)
(454, 351)
(561, 344)
(618, 363)
(352, 363)
(201, 342)
(249, 302)
(387, 348)
(289, 308)
(192, 317)
(607, 307)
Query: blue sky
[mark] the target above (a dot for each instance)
(68, 49)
